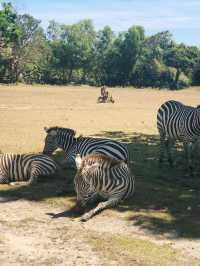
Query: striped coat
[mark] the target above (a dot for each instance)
(99, 176)
(65, 139)
(25, 167)
(176, 121)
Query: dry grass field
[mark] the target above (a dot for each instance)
(160, 225)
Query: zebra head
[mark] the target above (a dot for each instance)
(51, 143)
(58, 138)
(82, 183)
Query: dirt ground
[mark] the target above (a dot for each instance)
(44, 232)
(30, 236)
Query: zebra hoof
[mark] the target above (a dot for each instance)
(84, 218)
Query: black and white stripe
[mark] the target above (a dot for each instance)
(100, 177)
(65, 139)
(25, 167)
(176, 121)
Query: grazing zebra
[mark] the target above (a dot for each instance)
(99, 176)
(25, 167)
(65, 139)
(176, 121)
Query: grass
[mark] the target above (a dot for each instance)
(123, 250)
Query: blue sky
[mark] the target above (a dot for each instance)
(180, 17)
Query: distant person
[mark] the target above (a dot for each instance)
(105, 96)
(103, 92)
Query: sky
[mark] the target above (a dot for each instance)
(180, 17)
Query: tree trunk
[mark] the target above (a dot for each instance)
(70, 73)
(14, 65)
(178, 72)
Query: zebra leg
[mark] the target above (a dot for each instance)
(4, 179)
(101, 206)
(168, 144)
(33, 178)
(189, 154)
(162, 147)
(195, 154)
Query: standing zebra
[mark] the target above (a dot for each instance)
(25, 167)
(65, 139)
(99, 176)
(176, 121)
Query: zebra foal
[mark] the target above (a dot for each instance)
(176, 121)
(99, 176)
(25, 167)
(64, 138)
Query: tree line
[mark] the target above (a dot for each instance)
(79, 54)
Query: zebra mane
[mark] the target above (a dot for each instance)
(98, 158)
(63, 130)
(80, 137)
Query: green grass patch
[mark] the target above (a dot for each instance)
(123, 250)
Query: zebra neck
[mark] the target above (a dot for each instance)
(65, 142)
(76, 145)
(80, 144)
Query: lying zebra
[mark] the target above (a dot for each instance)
(25, 167)
(100, 176)
(64, 138)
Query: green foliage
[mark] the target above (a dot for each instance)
(9, 30)
(77, 53)
(196, 72)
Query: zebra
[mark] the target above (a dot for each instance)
(101, 177)
(176, 121)
(25, 167)
(64, 138)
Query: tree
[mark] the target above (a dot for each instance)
(9, 38)
(54, 31)
(196, 73)
(103, 45)
(23, 49)
(76, 53)
(178, 58)
(130, 51)
(123, 55)
(75, 49)
(159, 43)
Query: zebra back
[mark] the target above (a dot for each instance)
(110, 148)
(20, 167)
(65, 138)
(179, 121)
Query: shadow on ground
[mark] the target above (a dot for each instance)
(165, 201)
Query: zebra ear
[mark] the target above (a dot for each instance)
(78, 161)
(53, 133)
(46, 129)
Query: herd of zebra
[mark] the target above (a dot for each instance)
(103, 167)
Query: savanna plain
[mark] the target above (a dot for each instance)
(160, 225)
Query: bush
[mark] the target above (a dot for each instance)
(183, 82)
